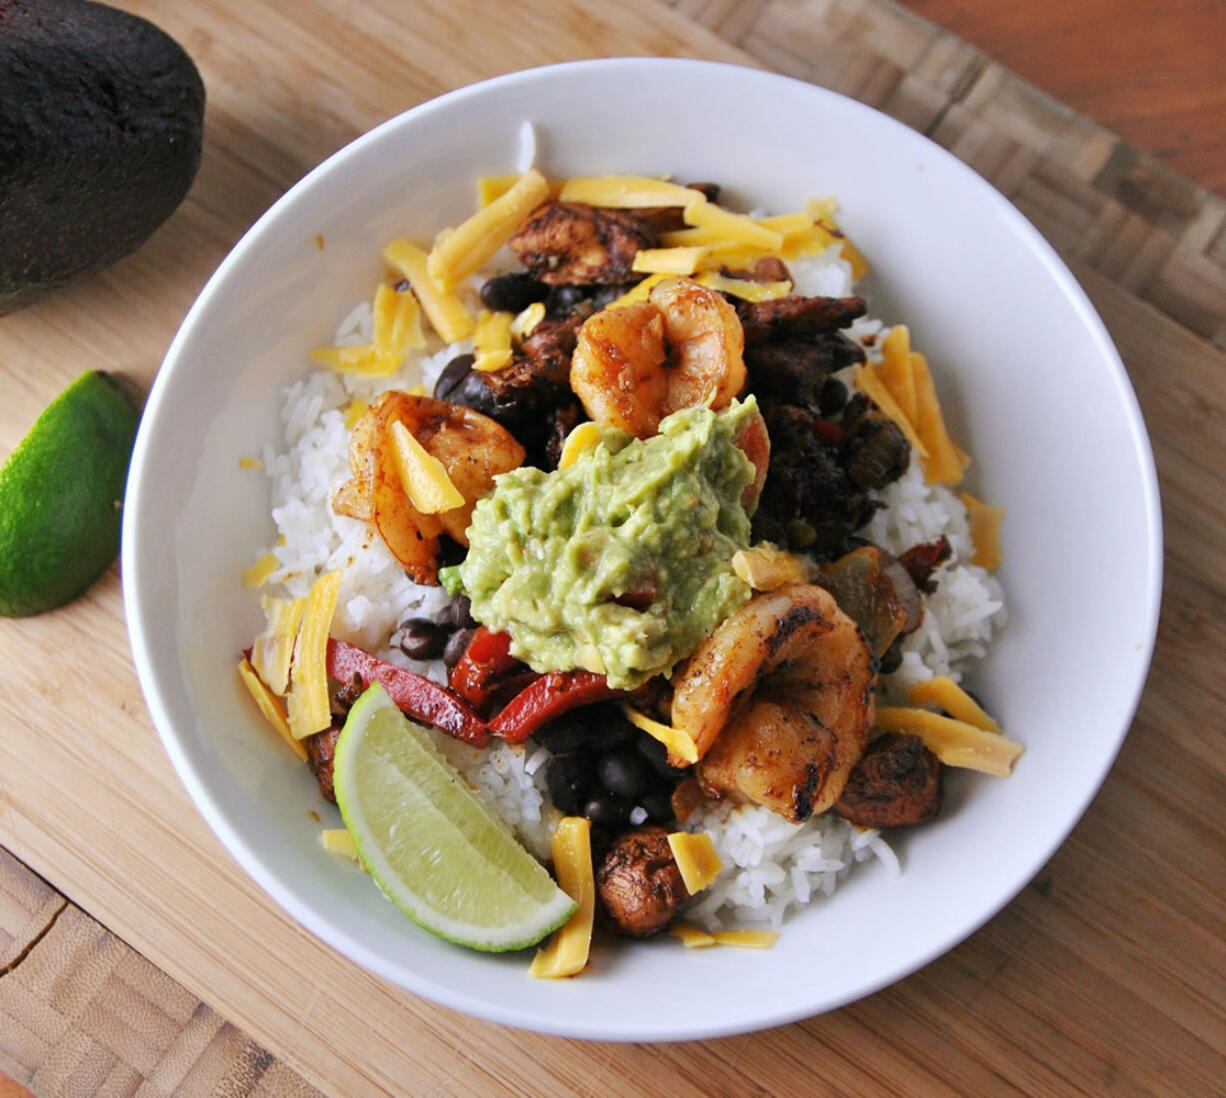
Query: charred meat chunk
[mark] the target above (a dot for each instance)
(572, 242)
(639, 884)
(320, 749)
(796, 317)
(796, 370)
(667, 219)
(523, 396)
(808, 501)
(896, 782)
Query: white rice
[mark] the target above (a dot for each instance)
(771, 866)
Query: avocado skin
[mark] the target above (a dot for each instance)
(101, 123)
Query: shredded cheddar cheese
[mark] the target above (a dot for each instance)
(309, 711)
(985, 531)
(445, 312)
(422, 475)
(628, 192)
(695, 855)
(581, 439)
(273, 649)
(676, 261)
(271, 706)
(338, 841)
(732, 226)
(745, 288)
(747, 939)
(567, 951)
(470, 245)
(492, 341)
(682, 751)
(943, 691)
(692, 937)
(257, 575)
(954, 742)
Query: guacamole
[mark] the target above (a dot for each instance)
(620, 563)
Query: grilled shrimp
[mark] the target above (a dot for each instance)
(779, 702)
(681, 348)
(472, 448)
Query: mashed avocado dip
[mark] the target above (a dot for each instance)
(620, 563)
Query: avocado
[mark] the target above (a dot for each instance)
(101, 122)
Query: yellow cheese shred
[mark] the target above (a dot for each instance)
(273, 649)
(869, 381)
(733, 226)
(422, 475)
(677, 261)
(492, 341)
(469, 246)
(746, 939)
(682, 751)
(985, 523)
(943, 691)
(258, 573)
(309, 711)
(362, 359)
(445, 312)
(490, 187)
(628, 192)
(250, 463)
(691, 936)
(765, 567)
(397, 322)
(744, 288)
(271, 706)
(525, 323)
(954, 742)
(338, 841)
(638, 292)
(353, 411)
(567, 951)
(945, 462)
(695, 855)
(582, 438)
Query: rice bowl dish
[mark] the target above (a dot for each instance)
(189, 613)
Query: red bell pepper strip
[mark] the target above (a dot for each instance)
(476, 677)
(413, 694)
(548, 698)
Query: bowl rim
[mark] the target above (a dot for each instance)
(140, 604)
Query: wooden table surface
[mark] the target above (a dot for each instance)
(117, 975)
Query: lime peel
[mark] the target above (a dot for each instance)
(434, 847)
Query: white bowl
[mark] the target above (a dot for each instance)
(1029, 378)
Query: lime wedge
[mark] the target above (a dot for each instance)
(434, 847)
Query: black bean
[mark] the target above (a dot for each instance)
(567, 733)
(655, 753)
(624, 772)
(833, 396)
(420, 639)
(512, 293)
(608, 811)
(659, 805)
(569, 779)
(562, 300)
(459, 613)
(453, 376)
(455, 646)
(610, 729)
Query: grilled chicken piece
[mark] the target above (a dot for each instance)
(796, 317)
(896, 783)
(567, 243)
(639, 884)
(320, 749)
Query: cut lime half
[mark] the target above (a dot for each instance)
(435, 848)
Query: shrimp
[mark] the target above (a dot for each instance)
(681, 348)
(472, 448)
(779, 702)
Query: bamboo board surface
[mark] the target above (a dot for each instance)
(145, 958)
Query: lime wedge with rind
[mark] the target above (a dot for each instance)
(434, 847)
(61, 491)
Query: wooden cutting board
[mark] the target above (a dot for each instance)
(144, 956)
